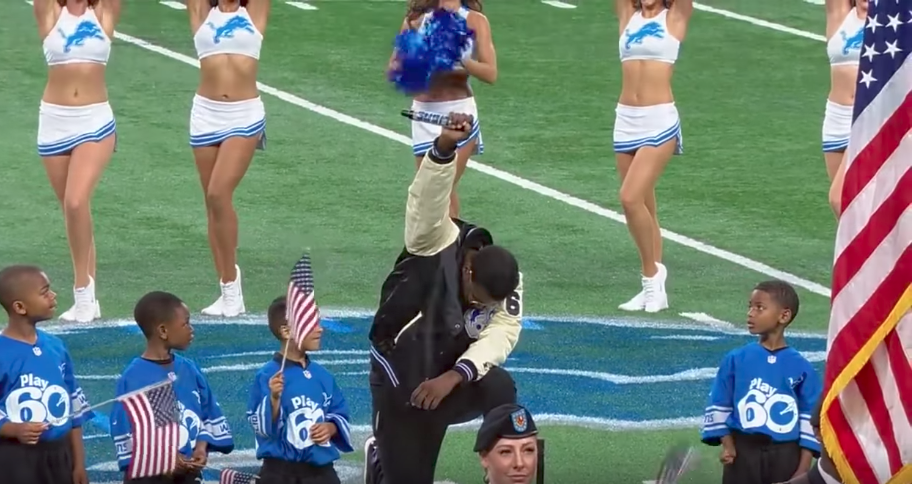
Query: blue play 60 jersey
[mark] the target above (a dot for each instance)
(38, 384)
(758, 391)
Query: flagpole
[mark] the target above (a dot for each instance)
(285, 354)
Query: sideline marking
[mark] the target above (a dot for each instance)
(709, 321)
(558, 4)
(302, 5)
(539, 322)
(505, 176)
(174, 5)
(760, 23)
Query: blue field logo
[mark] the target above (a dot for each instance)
(595, 373)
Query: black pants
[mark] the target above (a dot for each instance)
(41, 463)
(188, 478)
(409, 439)
(281, 472)
(759, 460)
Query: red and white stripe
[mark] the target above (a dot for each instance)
(303, 313)
(872, 416)
(155, 449)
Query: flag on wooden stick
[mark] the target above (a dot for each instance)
(302, 312)
(155, 425)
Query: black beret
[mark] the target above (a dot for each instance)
(508, 421)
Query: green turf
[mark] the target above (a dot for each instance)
(751, 181)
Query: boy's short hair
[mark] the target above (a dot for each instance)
(11, 283)
(496, 271)
(276, 316)
(783, 294)
(155, 308)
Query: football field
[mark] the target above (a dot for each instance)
(746, 202)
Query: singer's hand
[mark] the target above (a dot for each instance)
(458, 129)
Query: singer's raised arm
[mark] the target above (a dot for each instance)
(428, 227)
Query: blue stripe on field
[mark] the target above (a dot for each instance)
(335, 326)
(531, 325)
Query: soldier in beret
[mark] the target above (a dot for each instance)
(507, 443)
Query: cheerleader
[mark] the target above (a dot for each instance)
(451, 92)
(76, 130)
(845, 35)
(647, 129)
(227, 125)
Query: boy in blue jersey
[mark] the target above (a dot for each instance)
(299, 414)
(165, 322)
(42, 408)
(761, 402)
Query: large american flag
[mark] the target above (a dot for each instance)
(230, 476)
(154, 420)
(867, 410)
(301, 307)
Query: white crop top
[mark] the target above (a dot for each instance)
(228, 33)
(463, 12)
(844, 47)
(648, 39)
(76, 40)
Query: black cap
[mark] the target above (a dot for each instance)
(508, 421)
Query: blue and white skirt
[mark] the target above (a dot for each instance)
(837, 127)
(212, 122)
(636, 127)
(424, 134)
(63, 128)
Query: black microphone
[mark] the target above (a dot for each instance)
(436, 119)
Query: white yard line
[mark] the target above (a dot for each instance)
(760, 22)
(710, 321)
(558, 4)
(174, 5)
(302, 5)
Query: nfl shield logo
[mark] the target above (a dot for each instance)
(519, 421)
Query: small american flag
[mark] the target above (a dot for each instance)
(866, 421)
(229, 476)
(153, 415)
(678, 460)
(302, 312)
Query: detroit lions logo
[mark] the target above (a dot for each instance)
(84, 31)
(231, 26)
(652, 29)
(852, 43)
(476, 319)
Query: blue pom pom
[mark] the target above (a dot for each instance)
(437, 47)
